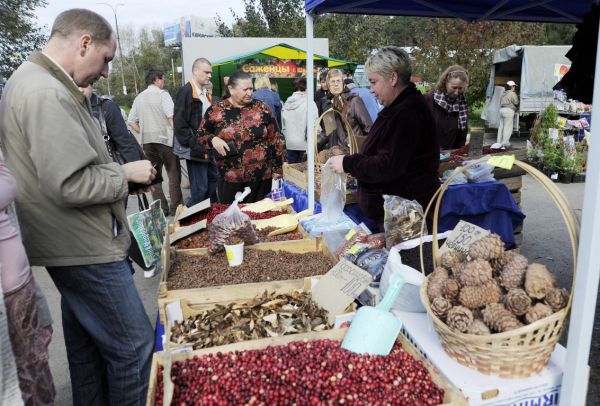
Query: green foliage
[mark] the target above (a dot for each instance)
(546, 120)
(20, 34)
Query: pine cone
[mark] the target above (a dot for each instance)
(498, 263)
(487, 248)
(440, 307)
(451, 289)
(538, 281)
(517, 301)
(451, 258)
(479, 328)
(557, 298)
(513, 272)
(474, 297)
(475, 273)
(458, 268)
(435, 284)
(499, 319)
(538, 312)
(459, 318)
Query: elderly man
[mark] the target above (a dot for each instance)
(71, 208)
(152, 117)
(191, 103)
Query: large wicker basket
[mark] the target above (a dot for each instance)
(517, 353)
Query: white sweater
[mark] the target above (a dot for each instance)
(293, 121)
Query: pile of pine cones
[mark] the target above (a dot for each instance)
(492, 290)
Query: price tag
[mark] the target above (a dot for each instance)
(502, 161)
(462, 237)
(354, 249)
(350, 234)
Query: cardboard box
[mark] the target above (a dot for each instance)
(480, 389)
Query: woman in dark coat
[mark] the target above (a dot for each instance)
(449, 107)
(401, 153)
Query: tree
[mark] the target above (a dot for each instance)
(20, 35)
(445, 42)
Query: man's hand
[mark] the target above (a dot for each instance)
(336, 163)
(139, 172)
(220, 145)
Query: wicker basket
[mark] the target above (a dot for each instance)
(517, 353)
(354, 141)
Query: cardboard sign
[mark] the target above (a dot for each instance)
(502, 161)
(188, 211)
(183, 232)
(461, 238)
(339, 287)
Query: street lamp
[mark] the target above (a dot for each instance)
(114, 10)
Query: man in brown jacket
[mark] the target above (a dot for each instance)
(71, 208)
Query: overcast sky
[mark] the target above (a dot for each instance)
(144, 12)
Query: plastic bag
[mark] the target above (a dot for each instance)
(457, 180)
(373, 261)
(481, 172)
(231, 223)
(316, 224)
(409, 299)
(402, 220)
(376, 241)
(355, 251)
(360, 233)
(333, 193)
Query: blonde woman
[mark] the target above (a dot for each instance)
(449, 107)
(263, 92)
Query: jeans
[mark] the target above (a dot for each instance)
(108, 335)
(294, 157)
(159, 155)
(505, 128)
(203, 181)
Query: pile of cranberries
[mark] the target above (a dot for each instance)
(218, 208)
(301, 373)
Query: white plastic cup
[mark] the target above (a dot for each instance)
(235, 254)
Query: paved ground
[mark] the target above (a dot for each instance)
(544, 241)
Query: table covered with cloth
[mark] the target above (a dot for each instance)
(489, 205)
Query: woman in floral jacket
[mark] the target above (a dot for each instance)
(245, 135)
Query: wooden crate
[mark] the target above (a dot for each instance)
(216, 294)
(452, 396)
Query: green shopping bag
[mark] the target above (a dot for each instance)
(148, 228)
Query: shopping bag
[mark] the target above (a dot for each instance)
(148, 227)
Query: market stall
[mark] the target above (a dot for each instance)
(584, 293)
(282, 62)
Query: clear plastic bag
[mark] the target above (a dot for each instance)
(333, 193)
(360, 233)
(373, 261)
(231, 223)
(479, 173)
(402, 220)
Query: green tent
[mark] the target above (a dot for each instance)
(282, 62)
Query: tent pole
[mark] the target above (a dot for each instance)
(581, 324)
(310, 120)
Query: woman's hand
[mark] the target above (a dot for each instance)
(336, 163)
(220, 145)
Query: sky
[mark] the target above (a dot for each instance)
(144, 12)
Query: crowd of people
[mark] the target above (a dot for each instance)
(74, 162)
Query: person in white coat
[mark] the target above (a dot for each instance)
(509, 104)
(293, 121)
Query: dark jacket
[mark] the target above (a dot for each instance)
(187, 117)
(357, 115)
(272, 100)
(399, 157)
(448, 134)
(125, 142)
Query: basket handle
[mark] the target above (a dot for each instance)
(555, 193)
(353, 143)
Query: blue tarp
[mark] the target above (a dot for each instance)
(558, 11)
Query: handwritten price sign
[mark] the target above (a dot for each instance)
(462, 237)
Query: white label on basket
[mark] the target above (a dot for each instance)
(462, 237)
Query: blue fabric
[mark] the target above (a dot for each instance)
(369, 100)
(489, 205)
(203, 180)
(558, 11)
(158, 333)
(272, 100)
(107, 333)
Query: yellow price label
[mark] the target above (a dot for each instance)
(350, 234)
(354, 249)
(502, 161)
(229, 254)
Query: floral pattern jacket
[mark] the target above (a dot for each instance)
(254, 131)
